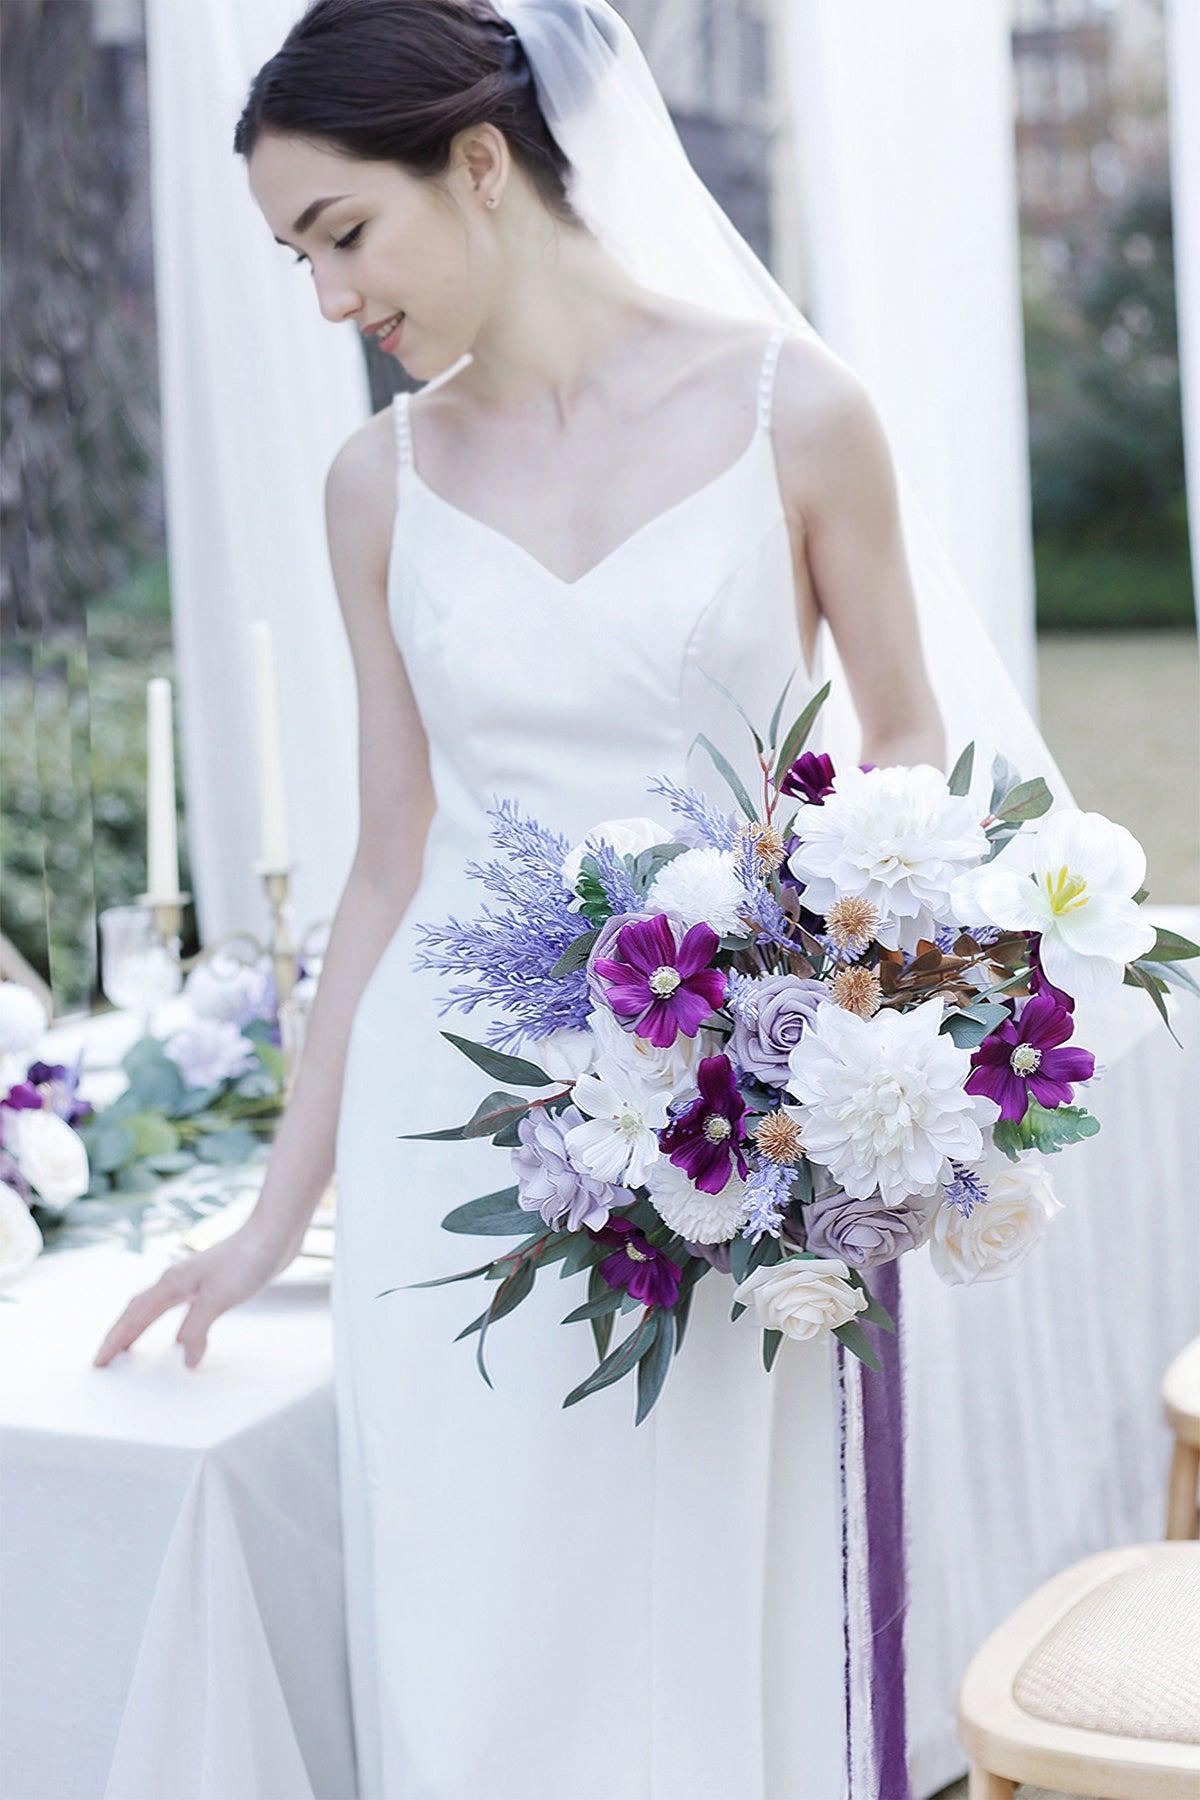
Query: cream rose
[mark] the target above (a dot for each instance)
(995, 1238)
(50, 1156)
(802, 1296)
(20, 1239)
(628, 837)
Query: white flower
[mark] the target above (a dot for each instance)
(50, 1155)
(802, 1297)
(226, 988)
(702, 1218)
(20, 1239)
(563, 1054)
(1072, 880)
(701, 886)
(998, 1234)
(627, 836)
(882, 1102)
(619, 1140)
(670, 1066)
(22, 1019)
(896, 837)
(210, 1051)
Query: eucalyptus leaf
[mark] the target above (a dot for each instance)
(1044, 1129)
(740, 1252)
(576, 954)
(797, 737)
(730, 773)
(233, 1144)
(616, 1364)
(959, 782)
(969, 1027)
(773, 727)
(736, 703)
(854, 1338)
(109, 1147)
(498, 1064)
(771, 1341)
(1168, 946)
(1137, 976)
(596, 1309)
(1005, 777)
(491, 1215)
(1176, 977)
(654, 1363)
(1028, 800)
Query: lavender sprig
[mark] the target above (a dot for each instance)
(717, 829)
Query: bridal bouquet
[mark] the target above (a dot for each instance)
(786, 1048)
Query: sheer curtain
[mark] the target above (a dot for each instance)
(258, 392)
(903, 124)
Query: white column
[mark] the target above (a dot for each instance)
(903, 116)
(258, 393)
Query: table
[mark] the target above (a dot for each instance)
(170, 1565)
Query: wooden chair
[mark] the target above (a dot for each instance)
(1092, 1686)
(1181, 1404)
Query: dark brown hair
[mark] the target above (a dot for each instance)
(394, 80)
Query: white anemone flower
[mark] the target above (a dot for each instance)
(618, 1141)
(896, 837)
(628, 837)
(882, 1103)
(701, 1218)
(1072, 880)
(702, 886)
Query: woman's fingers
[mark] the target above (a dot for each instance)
(193, 1333)
(142, 1311)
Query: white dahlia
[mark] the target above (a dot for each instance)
(701, 885)
(881, 1100)
(701, 1218)
(896, 837)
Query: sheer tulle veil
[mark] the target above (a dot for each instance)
(632, 184)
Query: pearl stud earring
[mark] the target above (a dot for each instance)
(491, 200)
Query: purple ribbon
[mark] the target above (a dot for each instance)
(882, 1490)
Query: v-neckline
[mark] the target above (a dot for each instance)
(411, 474)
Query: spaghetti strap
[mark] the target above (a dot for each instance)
(766, 379)
(402, 428)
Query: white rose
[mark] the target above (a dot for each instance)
(996, 1237)
(22, 1019)
(20, 1239)
(50, 1156)
(670, 1066)
(627, 836)
(802, 1297)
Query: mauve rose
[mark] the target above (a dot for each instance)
(784, 1004)
(864, 1232)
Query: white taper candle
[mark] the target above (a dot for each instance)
(162, 853)
(270, 761)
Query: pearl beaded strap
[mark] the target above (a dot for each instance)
(403, 430)
(766, 380)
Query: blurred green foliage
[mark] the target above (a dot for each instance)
(1106, 432)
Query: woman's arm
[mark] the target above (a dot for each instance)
(839, 488)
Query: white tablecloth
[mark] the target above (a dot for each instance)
(172, 1585)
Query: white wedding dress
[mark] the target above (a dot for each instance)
(546, 1604)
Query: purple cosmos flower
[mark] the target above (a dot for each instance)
(659, 986)
(1024, 1057)
(809, 778)
(637, 1267)
(704, 1140)
(1038, 982)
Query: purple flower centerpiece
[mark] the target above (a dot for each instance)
(659, 983)
(704, 1140)
(637, 1267)
(1026, 1056)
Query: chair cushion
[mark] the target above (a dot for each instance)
(1125, 1659)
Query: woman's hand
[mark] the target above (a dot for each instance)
(208, 1283)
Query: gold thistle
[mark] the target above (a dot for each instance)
(851, 924)
(768, 842)
(858, 990)
(778, 1137)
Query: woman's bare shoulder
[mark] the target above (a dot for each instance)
(829, 438)
(360, 486)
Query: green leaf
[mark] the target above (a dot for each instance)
(618, 1363)
(601, 1326)
(491, 1215)
(648, 863)
(576, 953)
(1151, 980)
(1168, 946)
(596, 1309)
(580, 1255)
(855, 1339)
(497, 1063)
(437, 1281)
(654, 1363)
(152, 1135)
(1176, 977)
(1028, 800)
(970, 1026)
(797, 737)
(137, 1179)
(773, 727)
(960, 775)
(1004, 779)
(736, 703)
(771, 1341)
(874, 1311)
(109, 1147)
(730, 773)
(1044, 1129)
(234, 1144)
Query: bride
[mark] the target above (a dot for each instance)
(632, 461)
